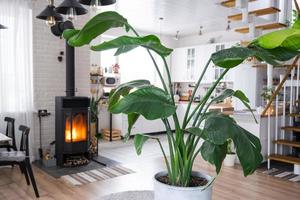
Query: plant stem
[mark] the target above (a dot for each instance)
(194, 92)
(208, 95)
(153, 60)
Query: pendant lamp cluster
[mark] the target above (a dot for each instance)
(69, 8)
(2, 27)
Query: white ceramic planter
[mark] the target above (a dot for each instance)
(229, 160)
(163, 191)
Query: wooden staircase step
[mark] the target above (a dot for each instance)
(291, 128)
(259, 12)
(231, 3)
(286, 159)
(263, 65)
(288, 143)
(294, 115)
(275, 25)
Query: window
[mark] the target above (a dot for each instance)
(16, 88)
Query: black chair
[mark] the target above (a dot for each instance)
(21, 158)
(10, 132)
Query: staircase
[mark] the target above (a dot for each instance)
(284, 143)
(251, 16)
(231, 3)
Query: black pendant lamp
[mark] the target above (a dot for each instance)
(50, 15)
(97, 2)
(71, 8)
(2, 27)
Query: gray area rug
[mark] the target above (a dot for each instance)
(94, 175)
(130, 195)
(58, 172)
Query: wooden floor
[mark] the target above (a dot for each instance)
(230, 184)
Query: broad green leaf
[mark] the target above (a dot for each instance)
(287, 38)
(248, 149)
(132, 118)
(283, 54)
(275, 38)
(124, 44)
(124, 89)
(229, 58)
(95, 27)
(296, 25)
(214, 154)
(139, 141)
(292, 42)
(264, 55)
(149, 101)
(218, 128)
(67, 34)
(195, 131)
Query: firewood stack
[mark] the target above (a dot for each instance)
(75, 161)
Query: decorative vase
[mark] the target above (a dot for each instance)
(164, 191)
(229, 160)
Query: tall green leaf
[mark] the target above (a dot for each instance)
(214, 154)
(149, 101)
(124, 89)
(287, 38)
(124, 44)
(232, 57)
(95, 27)
(131, 118)
(219, 128)
(139, 141)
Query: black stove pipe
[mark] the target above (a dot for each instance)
(57, 30)
(70, 71)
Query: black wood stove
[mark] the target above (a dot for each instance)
(72, 130)
(71, 116)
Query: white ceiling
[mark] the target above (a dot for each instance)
(183, 15)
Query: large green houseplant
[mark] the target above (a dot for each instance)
(140, 98)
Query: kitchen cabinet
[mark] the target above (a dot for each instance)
(187, 63)
(142, 126)
(203, 54)
(183, 64)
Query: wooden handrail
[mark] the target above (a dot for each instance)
(279, 87)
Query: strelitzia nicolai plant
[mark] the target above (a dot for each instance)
(139, 98)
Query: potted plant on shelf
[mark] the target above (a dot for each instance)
(141, 99)
(230, 154)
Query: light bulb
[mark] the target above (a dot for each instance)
(71, 14)
(95, 5)
(50, 21)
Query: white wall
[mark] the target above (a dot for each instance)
(218, 36)
(49, 74)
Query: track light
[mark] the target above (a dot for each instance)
(200, 31)
(176, 36)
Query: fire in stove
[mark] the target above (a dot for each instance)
(77, 130)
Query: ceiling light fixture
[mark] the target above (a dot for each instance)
(71, 8)
(228, 28)
(96, 4)
(200, 31)
(50, 15)
(176, 36)
(2, 27)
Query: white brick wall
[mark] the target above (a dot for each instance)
(49, 74)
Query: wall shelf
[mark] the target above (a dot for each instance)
(259, 12)
(231, 3)
(263, 27)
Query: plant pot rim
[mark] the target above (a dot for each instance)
(194, 173)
